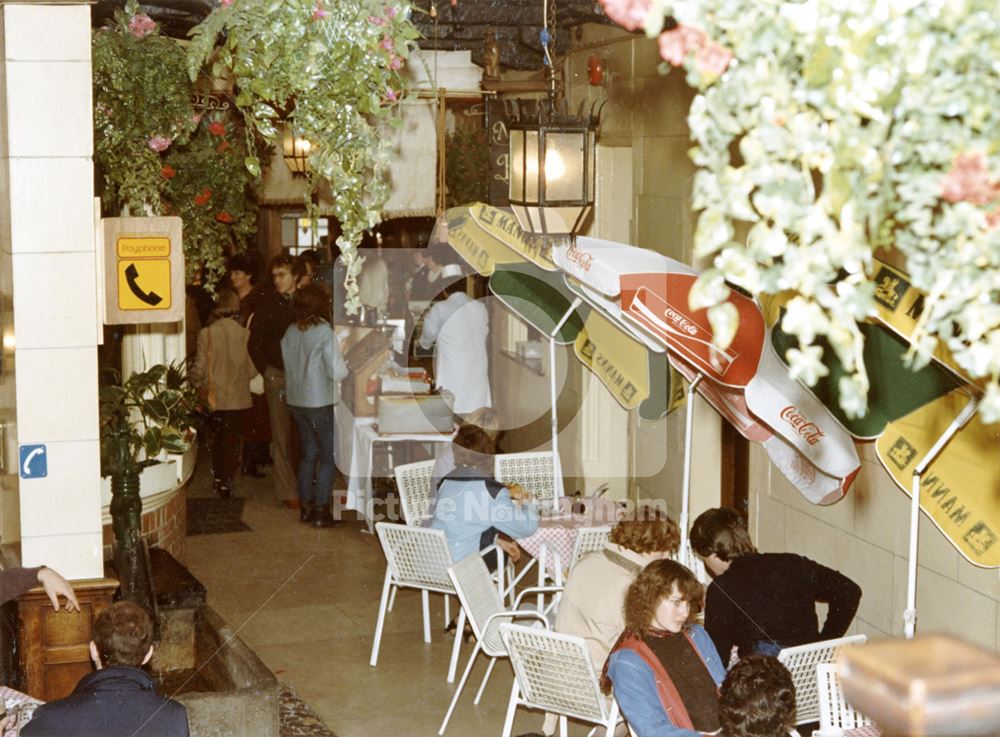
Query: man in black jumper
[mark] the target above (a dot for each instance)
(117, 700)
(762, 602)
(270, 320)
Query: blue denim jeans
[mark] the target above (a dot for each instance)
(317, 464)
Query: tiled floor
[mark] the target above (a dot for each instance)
(306, 601)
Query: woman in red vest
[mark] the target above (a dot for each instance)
(664, 669)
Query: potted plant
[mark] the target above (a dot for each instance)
(331, 72)
(149, 412)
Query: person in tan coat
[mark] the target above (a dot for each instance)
(223, 367)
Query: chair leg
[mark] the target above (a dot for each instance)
(425, 598)
(447, 610)
(381, 617)
(392, 597)
(486, 678)
(458, 691)
(459, 633)
(508, 723)
(562, 726)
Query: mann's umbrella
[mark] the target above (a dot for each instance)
(487, 237)
(746, 379)
(927, 437)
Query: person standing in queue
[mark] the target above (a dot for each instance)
(270, 321)
(459, 326)
(314, 368)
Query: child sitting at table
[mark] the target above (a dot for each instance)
(472, 507)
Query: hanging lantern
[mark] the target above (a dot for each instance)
(295, 150)
(552, 170)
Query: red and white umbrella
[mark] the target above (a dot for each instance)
(749, 385)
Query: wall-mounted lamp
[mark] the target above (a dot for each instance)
(295, 150)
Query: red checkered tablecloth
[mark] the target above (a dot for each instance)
(557, 529)
(869, 731)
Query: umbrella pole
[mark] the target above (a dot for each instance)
(910, 613)
(557, 490)
(688, 442)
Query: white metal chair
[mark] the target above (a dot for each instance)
(553, 672)
(533, 471)
(416, 558)
(589, 540)
(482, 604)
(835, 715)
(413, 484)
(801, 662)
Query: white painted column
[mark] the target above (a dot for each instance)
(48, 265)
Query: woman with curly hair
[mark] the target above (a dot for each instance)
(664, 670)
(757, 699)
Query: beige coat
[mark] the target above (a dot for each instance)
(592, 603)
(223, 363)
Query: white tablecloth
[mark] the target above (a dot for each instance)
(360, 436)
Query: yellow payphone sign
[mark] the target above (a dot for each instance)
(143, 270)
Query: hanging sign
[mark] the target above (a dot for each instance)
(144, 270)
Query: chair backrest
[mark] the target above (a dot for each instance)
(691, 560)
(477, 591)
(835, 714)
(533, 471)
(413, 484)
(554, 673)
(418, 557)
(589, 540)
(801, 661)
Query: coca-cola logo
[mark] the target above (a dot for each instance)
(680, 321)
(808, 430)
(580, 258)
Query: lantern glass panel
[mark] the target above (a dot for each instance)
(564, 166)
(517, 165)
(531, 156)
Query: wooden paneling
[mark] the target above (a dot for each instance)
(54, 646)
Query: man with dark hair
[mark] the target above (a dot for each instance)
(762, 602)
(472, 506)
(267, 327)
(118, 699)
(757, 699)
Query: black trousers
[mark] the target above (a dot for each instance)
(228, 428)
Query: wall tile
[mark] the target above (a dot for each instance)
(767, 522)
(47, 32)
(935, 551)
(35, 184)
(944, 605)
(985, 581)
(5, 239)
(56, 395)
(659, 223)
(55, 302)
(34, 129)
(74, 556)
(48, 507)
(881, 510)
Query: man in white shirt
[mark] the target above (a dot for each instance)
(459, 326)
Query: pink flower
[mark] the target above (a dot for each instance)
(140, 25)
(712, 58)
(376, 20)
(216, 128)
(196, 118)
(629, 14)
(396, 62)
(159, 143)
(225, 3)
(676, 43)
(969, 181)
(390, 12)
(390, 94)
(388, 44)
(319, 13)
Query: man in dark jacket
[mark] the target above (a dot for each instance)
(118, 699)
(762, 602)
(270, 320)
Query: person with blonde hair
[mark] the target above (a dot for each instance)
(664, 670)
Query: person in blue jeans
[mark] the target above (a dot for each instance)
(314, 368)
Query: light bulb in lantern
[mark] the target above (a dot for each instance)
(555, 167)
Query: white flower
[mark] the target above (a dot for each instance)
(989, 406)
(806, 364)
